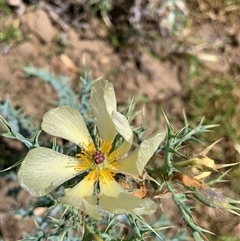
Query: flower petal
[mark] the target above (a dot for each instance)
(116, 200)
(67, 123)
(136, 161)
(81, 197)
(122, 126)
(103, 102)
(43, 170)
(123, 148)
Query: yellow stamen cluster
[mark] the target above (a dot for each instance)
(106, 175)
(88, 160)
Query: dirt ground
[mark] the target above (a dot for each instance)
(133, 73)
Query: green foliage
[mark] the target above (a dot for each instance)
(66, 95)
(215, 97)
(10, 34)
(66, 223)
(4, 8)
(15, 118)
(103, 5)
(226, 238)
(59, 83)
(174, 142)
(13, 134)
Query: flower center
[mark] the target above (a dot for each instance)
(98, 157)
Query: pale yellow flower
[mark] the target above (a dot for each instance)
(44, 169)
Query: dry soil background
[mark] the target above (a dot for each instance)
(160, 82)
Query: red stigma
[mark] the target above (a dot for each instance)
(98, 157)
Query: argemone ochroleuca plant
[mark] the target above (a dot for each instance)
(44, 169)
